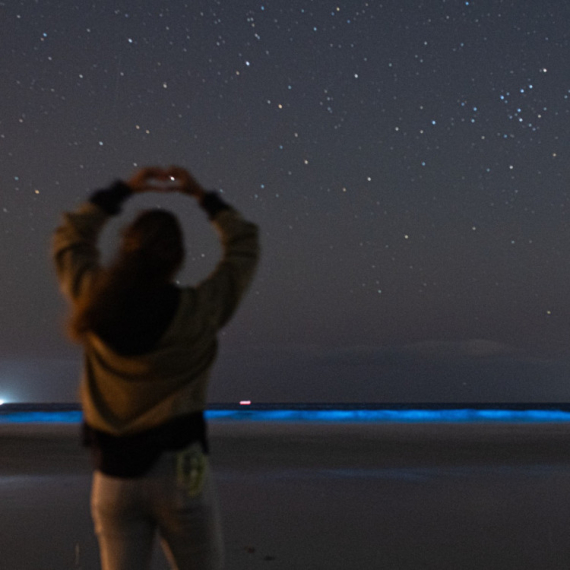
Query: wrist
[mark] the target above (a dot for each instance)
(110, 199)
(212, 204)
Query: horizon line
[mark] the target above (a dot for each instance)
(247, 405)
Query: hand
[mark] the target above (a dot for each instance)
(142, 180)
(184, 182)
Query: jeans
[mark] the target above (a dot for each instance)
(176, 498)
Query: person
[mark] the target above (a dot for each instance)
(149, 346)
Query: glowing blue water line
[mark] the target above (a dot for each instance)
(41, 417)
(343, 416)
(393, 416)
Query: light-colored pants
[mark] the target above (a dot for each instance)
(176, 498)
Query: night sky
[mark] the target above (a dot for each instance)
(407, 163)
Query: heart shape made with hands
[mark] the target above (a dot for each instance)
(168, 183)
(164, 180)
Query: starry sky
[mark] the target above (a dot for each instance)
(407, 163)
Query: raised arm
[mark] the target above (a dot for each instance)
(218, 296)
(74, 247)
(224, 288)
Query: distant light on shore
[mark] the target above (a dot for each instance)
(2, 401)
(245, 402)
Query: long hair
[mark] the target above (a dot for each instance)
(150, 254)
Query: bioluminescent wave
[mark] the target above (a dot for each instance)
(330, 415)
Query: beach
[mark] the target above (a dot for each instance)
(322, 495)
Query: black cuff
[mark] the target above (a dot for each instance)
(213, 204)
(111, 199)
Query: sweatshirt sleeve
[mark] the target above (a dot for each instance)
(74, 246)
(218, 296)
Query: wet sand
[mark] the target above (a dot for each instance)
(322, 496)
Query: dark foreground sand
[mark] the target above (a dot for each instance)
(323, 496)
